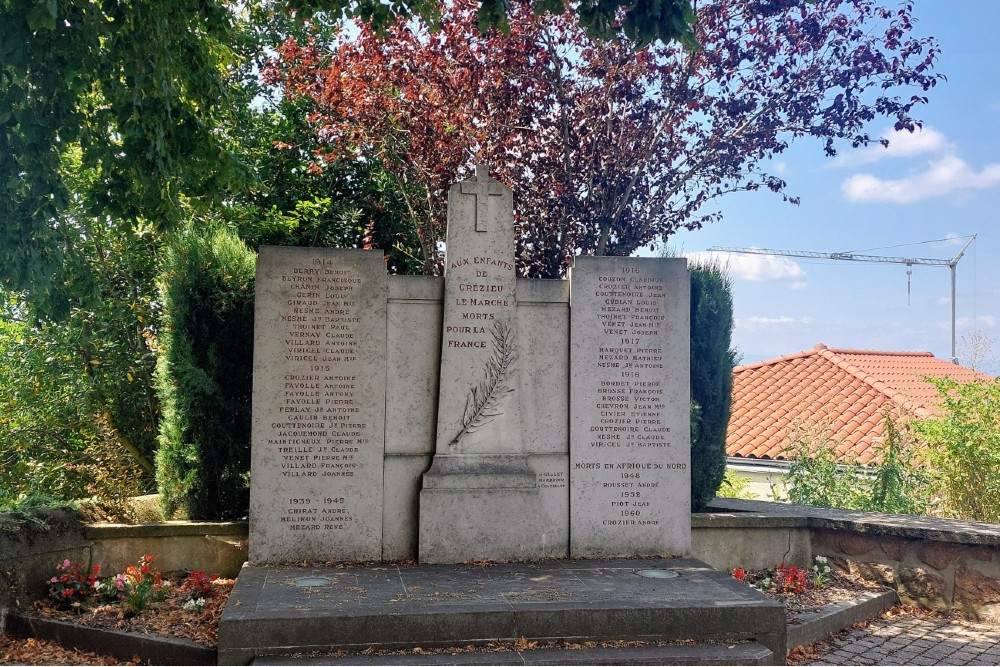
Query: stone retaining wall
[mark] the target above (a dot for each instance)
(937, 575)
(934, 563)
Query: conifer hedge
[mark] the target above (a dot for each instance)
(204, 374)
(712, 361)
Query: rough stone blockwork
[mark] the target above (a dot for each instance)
(935, 563)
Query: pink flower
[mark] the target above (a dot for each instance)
(65, 564)
(53, 580)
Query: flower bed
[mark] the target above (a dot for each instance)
(805, 590)
(138, 600)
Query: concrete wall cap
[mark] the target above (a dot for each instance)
(869, 523)
(96, 531)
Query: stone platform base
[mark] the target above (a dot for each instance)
(281, 611)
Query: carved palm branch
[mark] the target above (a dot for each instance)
(484, 400)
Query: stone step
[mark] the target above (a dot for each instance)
(277, 611)
(746, 653)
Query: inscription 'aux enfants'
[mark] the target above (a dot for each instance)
(482, 265)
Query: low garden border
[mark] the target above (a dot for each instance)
(935, 563)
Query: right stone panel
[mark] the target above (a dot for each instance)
(630, 408)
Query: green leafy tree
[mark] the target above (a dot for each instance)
(142, 89)
(735, 485)
(964, 442)
(56, 442)
(204, 374)
(712, 361)
(641, 22)
(90, 368)
(138, 88)
(350, 204)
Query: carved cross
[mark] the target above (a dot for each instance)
(483, 187)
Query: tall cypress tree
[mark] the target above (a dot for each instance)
(712, 361)
(204, 374)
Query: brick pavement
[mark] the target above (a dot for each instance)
(914, 640)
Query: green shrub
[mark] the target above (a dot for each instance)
(817, 476)
(712, 361)
(735, 485)
(895, 483)
(204, 375)
(964, 447)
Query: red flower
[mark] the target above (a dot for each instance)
(739, 574)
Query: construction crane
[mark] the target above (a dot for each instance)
(855, 257)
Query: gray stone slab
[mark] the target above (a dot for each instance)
(629, 407)
(401, 500)
(121, 645)
(318, 405)
(469, 522)
(831, 618)
(479, 331)
(552, 472)
(395, 606)
(414, 348)
(543, 350)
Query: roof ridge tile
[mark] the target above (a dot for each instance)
(777, 360)
(880, 353)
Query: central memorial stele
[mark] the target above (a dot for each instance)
(479, 488)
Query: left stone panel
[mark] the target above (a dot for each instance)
(318, 439)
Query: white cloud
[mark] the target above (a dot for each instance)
(757, 322)
(942, 177)
(970, 323)
(982, 321)
(753, 268)
(901, 144)
(799, 285)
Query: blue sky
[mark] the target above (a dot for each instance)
(941, 184)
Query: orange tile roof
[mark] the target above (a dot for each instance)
(845, 391)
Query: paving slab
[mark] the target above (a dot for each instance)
(914, 640)
(273, 610)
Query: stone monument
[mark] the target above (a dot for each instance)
(629, 409)
(478, 416)
(318, 405)
(479, 488)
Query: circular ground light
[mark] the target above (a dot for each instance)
(657, 574)
(312, 581)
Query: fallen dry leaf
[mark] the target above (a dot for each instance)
(43, 652)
